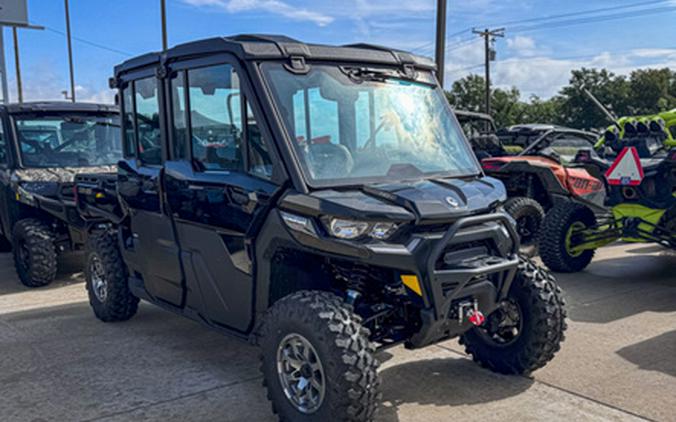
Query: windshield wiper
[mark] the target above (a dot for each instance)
(362, 74)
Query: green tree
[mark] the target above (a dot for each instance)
(652, 91)
(578, 111)
(469, 94)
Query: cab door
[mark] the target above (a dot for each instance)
(153, 254)
(218, 186)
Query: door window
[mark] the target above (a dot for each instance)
(180, 127)
(216, 118)
(128, 121)
(260, 161)
(148, 121)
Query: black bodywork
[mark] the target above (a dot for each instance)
(217, 246)
(46, 194)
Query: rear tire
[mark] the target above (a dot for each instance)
(345, 387)
(34, 251)
(554, 244)
(529, 216)
(536, 298)
(107, 280)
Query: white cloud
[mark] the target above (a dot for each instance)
(270, 6)
(522, 46)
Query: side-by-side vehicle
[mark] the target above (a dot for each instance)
(321, 202)
(42, 147)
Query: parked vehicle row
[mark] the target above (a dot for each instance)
(572, 192)
(323, 203)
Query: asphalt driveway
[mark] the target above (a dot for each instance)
(58, 363)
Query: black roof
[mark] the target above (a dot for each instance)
(276, 47)
(59, 106)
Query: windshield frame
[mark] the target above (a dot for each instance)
(57, 114)
(299, 161)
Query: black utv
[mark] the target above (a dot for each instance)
(42, 147)
(321, 202)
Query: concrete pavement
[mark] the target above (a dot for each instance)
(58, 363)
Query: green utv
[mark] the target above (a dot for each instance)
(42, 147)
(637, 162)
(320, 202)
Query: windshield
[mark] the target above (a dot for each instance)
(68, 140)
(354, 125)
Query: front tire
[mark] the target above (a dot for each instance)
(34, 250)
(526, 331)
(107, 281)
(317, 361)
(555, 245)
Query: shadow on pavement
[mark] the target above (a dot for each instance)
(61, 363)
(443, 382)
(616, 288)
(655, 354)
(70, 268)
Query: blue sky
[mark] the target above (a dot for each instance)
(534, 57)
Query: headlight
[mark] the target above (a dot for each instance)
(351, 229)
(382, 231)
(347, 229)
(298, 223)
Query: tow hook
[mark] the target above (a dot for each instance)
(470, 311)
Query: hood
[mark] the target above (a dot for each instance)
(57, 175)
(428, 201)
(442, 199)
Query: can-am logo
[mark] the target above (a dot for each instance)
(452, 202)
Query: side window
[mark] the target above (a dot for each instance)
(128, 121)
(216, 118)
(260, 162)
(672, 129)
(180, 128)
(148, 121)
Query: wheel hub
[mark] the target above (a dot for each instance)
(301, 373)
(99, 284)
(504, 326)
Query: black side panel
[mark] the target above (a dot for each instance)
(225, 290)
(216, 215)
(153, 232)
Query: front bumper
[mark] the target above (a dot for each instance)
(475, 258)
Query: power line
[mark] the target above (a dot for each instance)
(583, 12)
(593, 19)
(91, 43)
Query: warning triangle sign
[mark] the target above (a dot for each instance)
(627, 169)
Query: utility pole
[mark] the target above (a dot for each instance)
(163, 10)
(70, 53)
(440, 56)
(17, 65)
(489, 36)
(3, 67)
